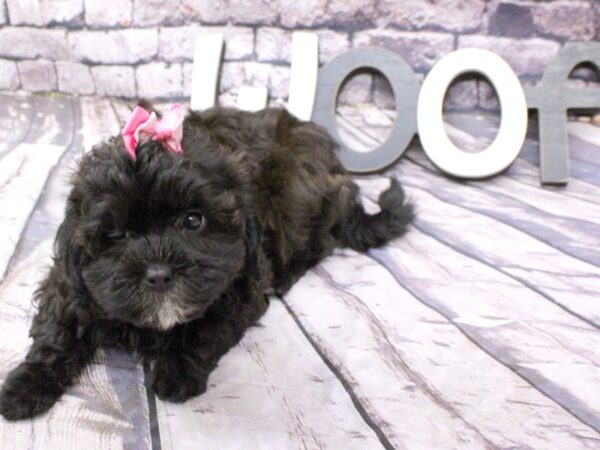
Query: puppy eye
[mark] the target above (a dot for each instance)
(118, 235)
(193, 221)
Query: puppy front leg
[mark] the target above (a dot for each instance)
(37, 383)
(55, 359)
(181, 371)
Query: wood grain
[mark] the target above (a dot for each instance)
(417, 373)
(270, 391)
(476, 245)
(479, 329)
(24, 169)
(555, 255)
(104, 408)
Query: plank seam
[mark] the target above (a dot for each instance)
(478, 344)
(377, 140)
(488, 191)
(13, 258)
(514, 199)
(421, 383)
(153, 422)
(499, 220)
(353, 397)
(498, 269)
(152, 411)
(522, 281)
(516, 179)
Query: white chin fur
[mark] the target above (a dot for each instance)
(169, 315)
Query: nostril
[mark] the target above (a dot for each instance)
(159, 276)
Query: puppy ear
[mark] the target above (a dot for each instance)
(253, 241)
(72, 256)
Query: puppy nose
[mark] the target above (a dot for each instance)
(159, 276)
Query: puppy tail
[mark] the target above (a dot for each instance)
(361, 231)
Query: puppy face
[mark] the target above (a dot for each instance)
(157, 240)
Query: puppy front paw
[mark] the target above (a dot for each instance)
(29, 390)
(177, 380)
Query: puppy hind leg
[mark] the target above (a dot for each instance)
(319, 245)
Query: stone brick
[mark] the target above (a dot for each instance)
(204, 11)
(452, 15)
(356, 89)
(64, 12)
(114, 13)
(37, 75)
(187, 71)
(462, 94)
(114, 47)
(74, 78)
(159, 80)
(488, 99)
(311, 13)
(307, 13)
(525, 56)
(487, 96)
(156, 12)
(383, 96)
(45, 12)
(240, 12)
(275, 44)
(570, 19)
(510, 19)
(2, 12)
(114, 81)
(9, 77)
(420, 50)
(279, 82)
(355, 12)
(24, 12)
(332, 44)
(30, 43)
(177, 43)
(236, 74)
(257, 12)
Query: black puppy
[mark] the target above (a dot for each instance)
(171, 255)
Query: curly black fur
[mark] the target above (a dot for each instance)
(272, 200)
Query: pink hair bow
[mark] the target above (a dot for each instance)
(143, 125)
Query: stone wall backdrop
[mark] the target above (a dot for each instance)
(136, 48)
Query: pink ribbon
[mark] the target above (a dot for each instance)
(143, 125)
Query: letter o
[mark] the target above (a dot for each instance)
(406, 92)
(513, 109)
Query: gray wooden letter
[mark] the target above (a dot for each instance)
(405, 86)
(551, 97)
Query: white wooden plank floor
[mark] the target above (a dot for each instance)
(479, 329)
